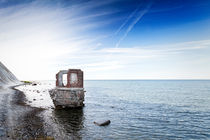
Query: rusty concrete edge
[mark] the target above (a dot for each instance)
(63, 88)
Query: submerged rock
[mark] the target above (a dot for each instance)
(103, 123)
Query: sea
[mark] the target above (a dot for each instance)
(137, 109)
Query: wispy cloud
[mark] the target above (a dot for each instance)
(34, 34)
(96, 60)
(138, 14)
(126, 21)
(37, 40)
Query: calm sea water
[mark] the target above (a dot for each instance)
(144, 109)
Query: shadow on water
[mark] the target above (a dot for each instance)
(70, 120)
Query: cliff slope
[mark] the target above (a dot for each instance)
(6, 76)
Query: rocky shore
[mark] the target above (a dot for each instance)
(49, 123)
(18, 120)
(27, 124)
(27, 111)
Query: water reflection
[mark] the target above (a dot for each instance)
(70, 120)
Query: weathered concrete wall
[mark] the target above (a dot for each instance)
(67, 97)
(71, 94)
(74, 78)
(59, 77)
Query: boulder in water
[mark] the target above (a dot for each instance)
(103, 123)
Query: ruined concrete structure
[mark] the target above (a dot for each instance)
(74, 78)
(71, 94)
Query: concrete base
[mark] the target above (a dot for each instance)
(67, 97)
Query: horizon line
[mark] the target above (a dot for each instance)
(131, 80)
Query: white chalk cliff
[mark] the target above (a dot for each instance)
(7, 77)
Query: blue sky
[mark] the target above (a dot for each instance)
(112, 39)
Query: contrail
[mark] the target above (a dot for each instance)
(140, 15)
(127, 19)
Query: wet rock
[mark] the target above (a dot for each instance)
(49, 138)
(103, 123)
(34, 84)
(2, 132)
(45, 138)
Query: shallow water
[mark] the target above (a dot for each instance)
(148, 109)
(144, 109)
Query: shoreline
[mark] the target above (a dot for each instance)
(27, 124)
